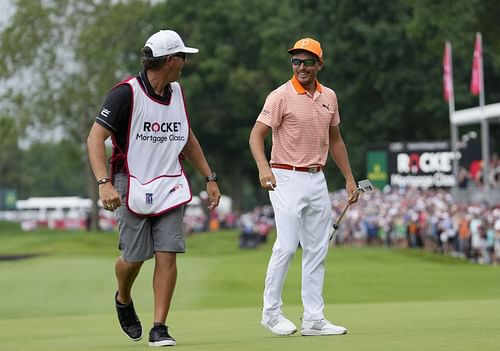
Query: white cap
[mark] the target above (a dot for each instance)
(167, 42)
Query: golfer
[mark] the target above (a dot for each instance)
(304, 118)
(147, 188)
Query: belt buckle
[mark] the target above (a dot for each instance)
(313, 169)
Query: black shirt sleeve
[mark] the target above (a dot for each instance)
(115, 111)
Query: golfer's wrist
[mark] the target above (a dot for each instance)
(264, 166)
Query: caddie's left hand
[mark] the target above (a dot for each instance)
(213, 194)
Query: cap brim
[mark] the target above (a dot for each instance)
(292, 50)
(188, 50)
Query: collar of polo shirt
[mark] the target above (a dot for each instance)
(300, 89)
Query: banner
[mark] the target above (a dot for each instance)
(426, 164)
(377, 170)
(8, 198)
(476, 77)
(447, 73)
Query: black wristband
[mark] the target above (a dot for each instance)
(103, 181)
(211, 178)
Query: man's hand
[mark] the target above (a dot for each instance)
(267, 180)
(213, 194)
(109, 197)
(352, 191)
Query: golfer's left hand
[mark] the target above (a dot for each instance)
(352, 191)
(213, 195)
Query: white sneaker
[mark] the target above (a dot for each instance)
(321, 327)
(278, 324)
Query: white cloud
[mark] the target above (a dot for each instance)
(7, 9)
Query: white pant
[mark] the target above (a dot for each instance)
(302, 211)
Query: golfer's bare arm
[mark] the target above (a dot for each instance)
(257, 138)
(338, 151)
(194, 153)
(97, 157)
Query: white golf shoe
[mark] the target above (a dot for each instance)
(321, 327)
(278, 324)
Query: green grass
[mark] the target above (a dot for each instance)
(388, 299)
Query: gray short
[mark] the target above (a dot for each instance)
(141, 237)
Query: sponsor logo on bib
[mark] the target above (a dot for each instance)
(175, 188)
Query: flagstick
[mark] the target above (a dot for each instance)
(485, 132)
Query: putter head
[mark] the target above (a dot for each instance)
(365, 186)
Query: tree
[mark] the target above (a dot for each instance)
(10, 155)
(70, 61)
(382, 58)
(53, 168)
(242, 58)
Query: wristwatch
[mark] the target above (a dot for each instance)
(211, 178)
(103, 181)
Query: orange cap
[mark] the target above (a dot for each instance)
(308, 44)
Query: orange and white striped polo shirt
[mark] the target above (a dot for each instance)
(300, 123)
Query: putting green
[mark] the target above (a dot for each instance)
(457, 325)
(388, 299)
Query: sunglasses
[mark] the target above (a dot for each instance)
(307, 62)
(181, 55)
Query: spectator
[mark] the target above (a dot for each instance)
(496, 245)
(463, 178)
(429, 219)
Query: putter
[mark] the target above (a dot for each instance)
(364, 186)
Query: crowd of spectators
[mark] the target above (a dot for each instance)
(198, 219)
(403, 218)
(427, 219)
(474, 174)
(255, 226)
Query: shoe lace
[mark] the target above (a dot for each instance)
(319, 323)
(273, 320)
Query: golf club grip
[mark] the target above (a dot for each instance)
(332, 232)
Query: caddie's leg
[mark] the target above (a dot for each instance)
(164, 279)
(126, 272)
(135, 243)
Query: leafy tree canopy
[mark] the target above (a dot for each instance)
(383, 58)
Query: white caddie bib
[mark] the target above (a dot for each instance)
(157, 135)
